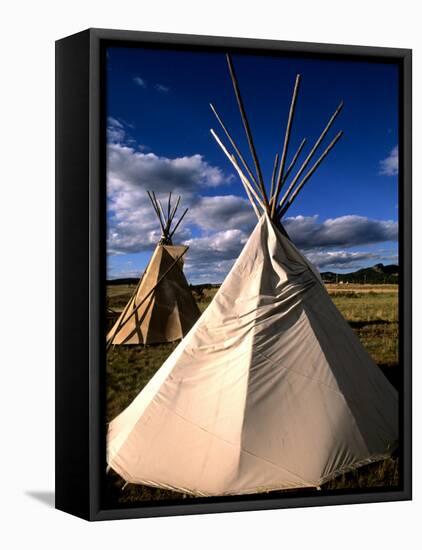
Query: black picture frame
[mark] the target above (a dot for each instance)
(80, 271)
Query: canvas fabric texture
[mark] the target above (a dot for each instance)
(271, 389)
(170, 310)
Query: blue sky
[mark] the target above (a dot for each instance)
(158, 138)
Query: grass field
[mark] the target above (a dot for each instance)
(372, 312)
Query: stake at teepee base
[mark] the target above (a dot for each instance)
(260, 396)
(162, 308)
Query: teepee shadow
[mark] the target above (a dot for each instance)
(45, 497)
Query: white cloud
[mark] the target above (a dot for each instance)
(210, 258)
(139, 81)
(390, 165)
(341, 259)
(115, 130)
(142, 83)
(224, 245)
(345, 231)
(227, 211)
(225, 223)
(161, 88)
(216, 227)
(133, 226)
(114, 122)
(118, 132)
(138, 170)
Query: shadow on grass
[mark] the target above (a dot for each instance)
(361, 324)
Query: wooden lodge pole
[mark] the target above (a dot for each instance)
(247, 129)
(312, 151)
(285, 145)
(309, 174)
(239, 171)
(235, 147)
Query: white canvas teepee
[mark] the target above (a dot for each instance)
(162, 308)
(271, 389)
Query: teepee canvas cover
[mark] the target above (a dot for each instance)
(162, 308)
(271, 389)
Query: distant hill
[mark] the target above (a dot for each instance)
(134, 281)
(127, 281)
(377, 274)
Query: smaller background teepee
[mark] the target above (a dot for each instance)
(162, 308)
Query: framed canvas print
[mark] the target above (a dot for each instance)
(233, 274)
